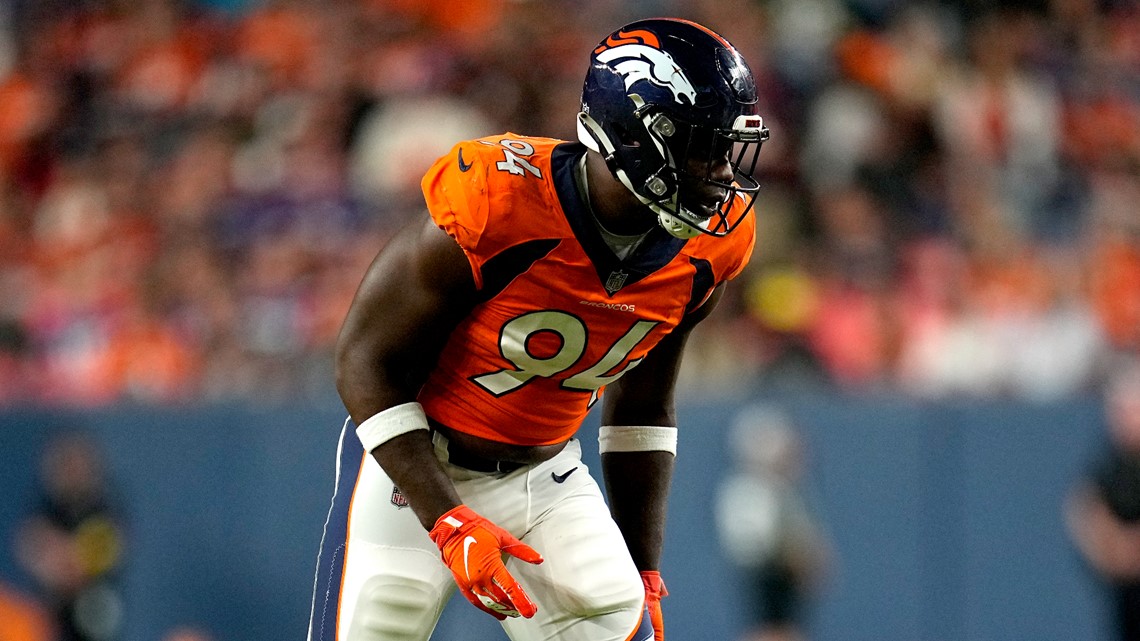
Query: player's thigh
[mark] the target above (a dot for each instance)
(588, 587)
(394, 585)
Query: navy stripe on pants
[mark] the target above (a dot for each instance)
(330, 562)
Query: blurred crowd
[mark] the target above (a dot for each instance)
(71, 543)
(191, 191)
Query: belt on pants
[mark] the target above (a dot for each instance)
(468, 460)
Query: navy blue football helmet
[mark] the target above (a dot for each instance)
(671, 105)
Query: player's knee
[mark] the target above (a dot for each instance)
(613, 596)
(391, 609)
(608, 612)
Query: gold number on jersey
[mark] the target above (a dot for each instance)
(595, 377)
(515, 151)
(572, 334)
(513, 345)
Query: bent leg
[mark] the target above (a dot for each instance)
(588, 588)
(379, 577)
(391, 594)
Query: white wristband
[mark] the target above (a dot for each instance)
(386, 425)
(637, 438)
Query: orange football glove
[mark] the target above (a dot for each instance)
(654, 590)
(473, 549)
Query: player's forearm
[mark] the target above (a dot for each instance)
(637, 484)
(409, 460)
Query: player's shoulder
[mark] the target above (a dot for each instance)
(478, 164)
(737, 242)
(489, 145)
(486, 191)
(729, 254)
(501, 152)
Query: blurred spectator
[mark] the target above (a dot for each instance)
(1104, 511)
(999, 121)
(765, 526)
(72, 544)
(22, 618)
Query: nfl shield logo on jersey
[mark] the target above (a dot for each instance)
(398, 499)
(615, 281)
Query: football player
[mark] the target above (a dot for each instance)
(544, 273)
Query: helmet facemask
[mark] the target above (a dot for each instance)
(710, 168)
(679, 183)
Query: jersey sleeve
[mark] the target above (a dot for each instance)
(729, 255)
(746, 233)
(747, 230)
(484, 193)
(456, 193)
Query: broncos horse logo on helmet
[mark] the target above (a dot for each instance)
(642, 59)
(660, 94)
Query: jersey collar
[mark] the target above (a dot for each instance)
(657, 250)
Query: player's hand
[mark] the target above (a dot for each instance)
(473, 548)
(654, 590)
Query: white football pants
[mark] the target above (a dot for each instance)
(380, 578)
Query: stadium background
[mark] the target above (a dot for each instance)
(948, 263)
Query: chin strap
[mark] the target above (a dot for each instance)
(675, 226)
(590, 133)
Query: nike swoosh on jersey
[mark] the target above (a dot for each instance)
(462, 165)
(467, 543)
(561, 478)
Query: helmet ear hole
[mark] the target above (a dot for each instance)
(625, 137)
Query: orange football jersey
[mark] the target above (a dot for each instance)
(560, 315)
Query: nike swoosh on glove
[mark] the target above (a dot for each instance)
(473, 549)
(654, 590)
